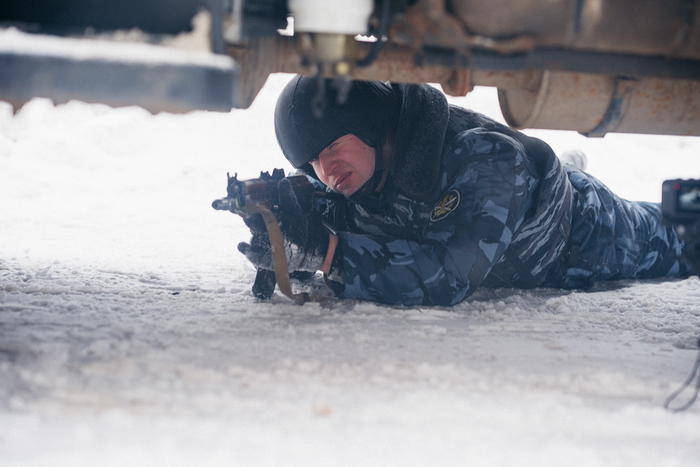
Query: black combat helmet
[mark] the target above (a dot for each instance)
(369, 112)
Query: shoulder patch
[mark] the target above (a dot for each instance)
(445, 206)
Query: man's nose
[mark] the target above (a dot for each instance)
(328, 164)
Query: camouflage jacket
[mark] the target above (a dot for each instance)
(502, 212)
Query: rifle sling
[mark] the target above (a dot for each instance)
(279, 257)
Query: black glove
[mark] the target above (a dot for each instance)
(305, 237)
(256, 224)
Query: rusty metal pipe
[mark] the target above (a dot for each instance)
(394, 63)
(595, 105)
(667, 28)
(592, 104)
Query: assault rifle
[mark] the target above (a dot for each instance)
(259, 196)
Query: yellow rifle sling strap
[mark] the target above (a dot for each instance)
(279, 257)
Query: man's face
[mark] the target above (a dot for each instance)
(345, 165)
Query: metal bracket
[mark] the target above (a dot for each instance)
(616, 110)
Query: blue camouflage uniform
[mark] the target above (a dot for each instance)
(503, 212)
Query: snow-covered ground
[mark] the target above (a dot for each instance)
(129, 335)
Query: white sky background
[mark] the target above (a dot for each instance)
(129, 336)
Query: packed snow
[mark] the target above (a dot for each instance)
(123, 47)
(129, 334)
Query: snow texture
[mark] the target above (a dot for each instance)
(182, 52)
(129, 335)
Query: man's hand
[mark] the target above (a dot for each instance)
(305, 238)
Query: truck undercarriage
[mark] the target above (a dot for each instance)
(593, 66)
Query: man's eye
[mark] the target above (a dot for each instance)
(315, 159)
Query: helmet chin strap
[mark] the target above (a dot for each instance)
(371, 184)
